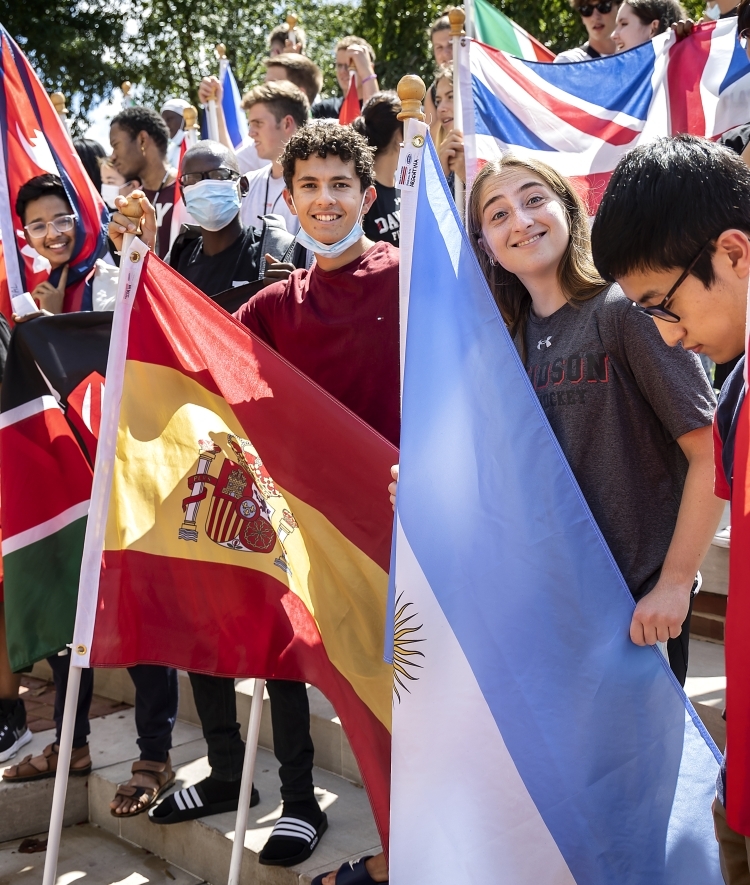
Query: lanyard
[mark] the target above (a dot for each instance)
(265, 201)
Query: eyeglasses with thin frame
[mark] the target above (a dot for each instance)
(743, 34)
(221, 174)
(588, 8)
(62, 224)
(660, 310)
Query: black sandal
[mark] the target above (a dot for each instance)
(350, 873)
(292, 841)
(191, 803)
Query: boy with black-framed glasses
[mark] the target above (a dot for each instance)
(599, 19)
(673, 229)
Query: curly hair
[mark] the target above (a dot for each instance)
(326, 138)
(139, 119)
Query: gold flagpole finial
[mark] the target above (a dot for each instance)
(221, 50)
(126, 86)
(58, 102)
(411, 90)
(457, 17)
(190, 116)
(291, 21)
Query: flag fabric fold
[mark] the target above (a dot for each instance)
(583, 117)
(563, 752)
(239, 520)
(34, 141)
(493, 27)
(231, 104)
(350, 109)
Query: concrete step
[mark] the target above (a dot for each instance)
(91, 854)
(332, 750)
(203, 847)
(25, 808)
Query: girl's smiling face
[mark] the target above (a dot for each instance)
(444, 103)
(54, 245)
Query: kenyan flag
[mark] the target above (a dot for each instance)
(49, 424)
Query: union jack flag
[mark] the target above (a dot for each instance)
(34, 140)
(581, 118)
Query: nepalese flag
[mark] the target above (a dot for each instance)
(581, 118)
(49, 425)
(565, 754)
(350, 109)
(493, 27)
(239, 520)
(34, 141)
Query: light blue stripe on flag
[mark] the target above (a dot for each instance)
(505, 551)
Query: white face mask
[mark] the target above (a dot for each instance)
(109, 192)
(334, 249)
(213, 204)
(712, 12)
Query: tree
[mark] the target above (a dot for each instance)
(174, 45)
(73, 46)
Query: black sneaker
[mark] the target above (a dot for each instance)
(14, 732)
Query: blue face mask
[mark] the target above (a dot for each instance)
(213, 204)
(324, 250)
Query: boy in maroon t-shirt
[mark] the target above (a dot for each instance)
(338, 321)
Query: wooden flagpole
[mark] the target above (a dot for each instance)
(456, 17)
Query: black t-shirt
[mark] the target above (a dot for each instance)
(736, 139)
(383, 221)
(163, 202)
(618, 399)
(328, 108)
(236, 265)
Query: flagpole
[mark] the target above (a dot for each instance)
(212, 120)
(456, 17)
(133, 255)
(246, 784)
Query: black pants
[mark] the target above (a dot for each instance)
(156, 700)
(677, 649)
(216, 704)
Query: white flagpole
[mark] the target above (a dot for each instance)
(133, 252)
(246, 784)
(469, 27)
(456, 17)
(8, 236)
(411, 91)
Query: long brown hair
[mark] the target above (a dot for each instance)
(578, 278)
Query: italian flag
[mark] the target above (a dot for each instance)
(49, 423)
(495, 29)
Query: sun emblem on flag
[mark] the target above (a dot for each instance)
(405, 638)
(239, 514)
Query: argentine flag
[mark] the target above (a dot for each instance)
(533, 742)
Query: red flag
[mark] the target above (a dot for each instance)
(36, 141)
(350, 108)
(737, 647)
(248, 529)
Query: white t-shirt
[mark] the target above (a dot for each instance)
(104, 290)
(248, 159)
(265, 198)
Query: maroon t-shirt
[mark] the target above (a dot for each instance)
(340, 328)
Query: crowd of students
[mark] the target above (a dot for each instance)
(297, 232)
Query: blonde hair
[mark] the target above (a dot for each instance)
(576, 273)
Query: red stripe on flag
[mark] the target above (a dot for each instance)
(315, 465)
(687, 61)
(540, 50)
(207, 606)
(606, 130)
(55, 477)
(737, 647)
(349, 110)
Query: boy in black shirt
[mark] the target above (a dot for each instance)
(673, 229)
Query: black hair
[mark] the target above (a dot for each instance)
(666, 12)
(326, 137)
(46, 185)
(139, 119)
(379, 119)
(743, 16)
(91, 152)
(664, 202)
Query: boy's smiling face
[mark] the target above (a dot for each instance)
(712, 320)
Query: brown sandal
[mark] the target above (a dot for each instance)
(162, 774)
(34, 768)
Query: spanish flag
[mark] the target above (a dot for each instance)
(239, 520)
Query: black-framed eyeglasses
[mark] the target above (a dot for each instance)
(660, 310)
(588, 8)
(220, 174)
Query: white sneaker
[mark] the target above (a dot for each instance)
(721, 538)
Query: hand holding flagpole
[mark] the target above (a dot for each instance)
(456, 17)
